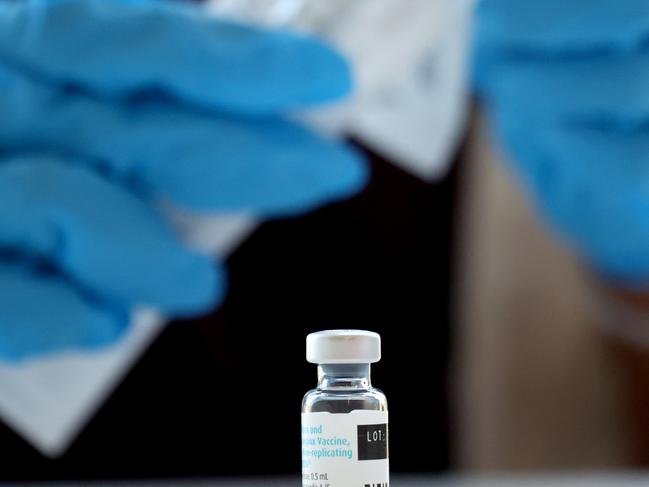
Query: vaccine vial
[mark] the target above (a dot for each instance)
(344, 419)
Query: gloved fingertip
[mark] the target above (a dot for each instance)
(329, 73)
(345, 172)
(334, 172)
(298, 71)
(105, 327)
(350, 174)
(200, 286)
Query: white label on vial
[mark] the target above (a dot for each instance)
(345, 450)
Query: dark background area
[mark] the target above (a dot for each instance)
(221, 395)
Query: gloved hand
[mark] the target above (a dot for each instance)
(108, 107)
(565, 84)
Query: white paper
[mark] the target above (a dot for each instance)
(417, 119)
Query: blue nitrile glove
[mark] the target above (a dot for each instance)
(565, 84)
(108, 107)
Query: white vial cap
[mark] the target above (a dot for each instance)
(343, 347)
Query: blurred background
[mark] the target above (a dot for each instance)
(498, 353)
(491, 354)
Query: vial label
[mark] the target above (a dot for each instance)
(345, 450)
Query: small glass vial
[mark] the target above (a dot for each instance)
(345, 419)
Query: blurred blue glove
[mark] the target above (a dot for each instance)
(108, 107)
(565, 84)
